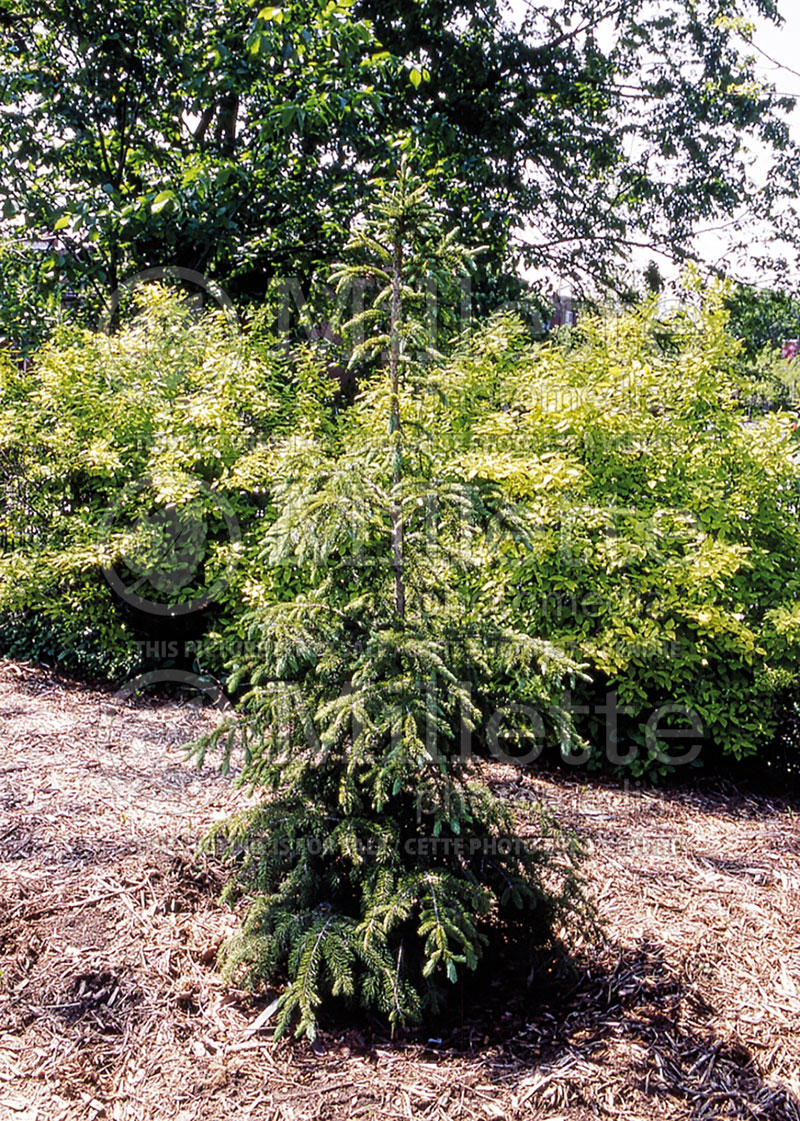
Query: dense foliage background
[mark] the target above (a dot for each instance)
(660, 511)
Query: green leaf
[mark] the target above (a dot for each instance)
(415, 77)
(162, 200)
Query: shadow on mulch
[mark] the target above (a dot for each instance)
(637, 1014)
(620, 1030)
(746, 797)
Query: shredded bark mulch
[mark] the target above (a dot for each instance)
(111, 1005)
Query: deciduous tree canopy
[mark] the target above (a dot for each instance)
(234, 139)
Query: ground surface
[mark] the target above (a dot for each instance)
(110, 1005)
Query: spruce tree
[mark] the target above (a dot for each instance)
(379, 864)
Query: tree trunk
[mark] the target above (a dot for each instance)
(396, 436)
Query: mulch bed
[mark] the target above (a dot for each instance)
(111, 1005)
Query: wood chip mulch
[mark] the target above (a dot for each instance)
(111, 1005)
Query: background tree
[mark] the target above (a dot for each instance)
(762, 318)
(589, 129)
(201, 135)
(232, 139)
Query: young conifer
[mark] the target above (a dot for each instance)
(379, 864)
